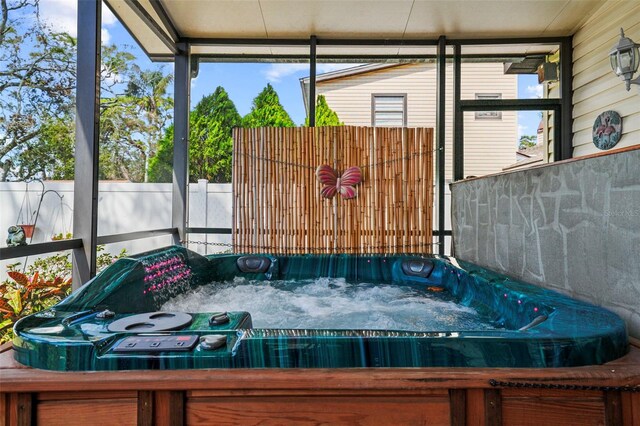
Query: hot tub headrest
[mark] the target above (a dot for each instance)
(417, 267)
(253, 264)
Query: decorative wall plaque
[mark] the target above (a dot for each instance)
(607, 130)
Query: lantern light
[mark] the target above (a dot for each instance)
(625, 59)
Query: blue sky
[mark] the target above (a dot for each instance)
(243, 81)
(528, 87)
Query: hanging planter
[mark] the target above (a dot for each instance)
(27, 216)
(28, 230)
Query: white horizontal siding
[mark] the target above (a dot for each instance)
(551, 90)
(490, 145)
(595, 87)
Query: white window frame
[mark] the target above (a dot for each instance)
(388, 95)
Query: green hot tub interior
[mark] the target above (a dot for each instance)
(113, 322)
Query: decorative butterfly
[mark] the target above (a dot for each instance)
(334, 183)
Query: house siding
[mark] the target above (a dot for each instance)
(490, 145)
(595, 87)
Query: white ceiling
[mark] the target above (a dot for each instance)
(353, 19)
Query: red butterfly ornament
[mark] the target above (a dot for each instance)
(334, 183)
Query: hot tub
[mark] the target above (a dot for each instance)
(120, 321)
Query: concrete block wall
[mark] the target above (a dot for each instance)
(573, 227)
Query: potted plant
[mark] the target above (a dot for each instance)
(61, 236)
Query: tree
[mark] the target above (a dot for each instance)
(147, 93)
(267, 111)
(52, 156)
(325, 116)
(527, 141)
(161, 164)
(36, 83)
(37, 102)
(134, 110)
(210, 141)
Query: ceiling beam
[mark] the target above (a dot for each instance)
(151, 23)
(245, 57)
(305, 42)
(506, 40)
(133, 36)
(200, 41)
(165, 19)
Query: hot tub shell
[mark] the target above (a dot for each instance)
(542, 328)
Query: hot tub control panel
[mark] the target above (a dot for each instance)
(179, 343)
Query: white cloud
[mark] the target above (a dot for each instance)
(521, 130)
(535, 91)
(62, 15)
(106, 37)
(277, 72)
(108, 18)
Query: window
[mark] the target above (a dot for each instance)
(389, 110)
(488, 115)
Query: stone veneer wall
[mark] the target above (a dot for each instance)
(573, 227)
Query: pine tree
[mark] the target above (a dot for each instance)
(325, 116)
(267, 111)
(161, 164)
(210, 142)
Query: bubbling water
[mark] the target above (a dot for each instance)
(330, 303)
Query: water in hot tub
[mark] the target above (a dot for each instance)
(330, 303)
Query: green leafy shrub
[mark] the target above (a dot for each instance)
(325, 116)
(43, 283)
(24, 294)
(61, 236)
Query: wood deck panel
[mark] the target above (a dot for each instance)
(15, 377)
(303, 410)
(459, 396)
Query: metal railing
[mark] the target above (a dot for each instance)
(76, 243)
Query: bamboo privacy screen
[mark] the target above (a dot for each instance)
(277, 203)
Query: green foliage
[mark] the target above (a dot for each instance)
(210, 142)
(36, 83)
(267, 111)
(161, 165)
(325, 116)
(527, 141)
(51, 154)
(132, 120)
(122, 145)
(44, 283)
(61, 236)
(37, 103)
(24, 294)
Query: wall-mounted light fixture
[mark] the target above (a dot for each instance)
(625, 59)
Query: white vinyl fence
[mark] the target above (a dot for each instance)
(122, 207)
